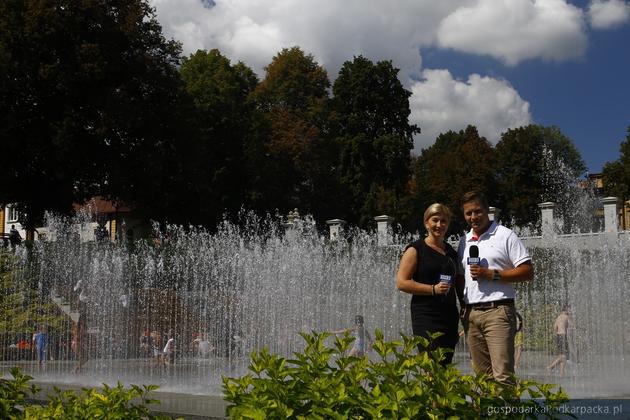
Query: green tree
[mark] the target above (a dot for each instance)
(88, 93)
(456, 163)
(371, 123)
(294, 81)
(220, 120)
(288, 156)
(617, 173)
(535, 164)
(22, 306)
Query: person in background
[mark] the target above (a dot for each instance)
(203, 345)
(40, 341)
(146, 344)
(14, 236)
(518, 341)
(428, 269)
(22, 344)
(80, 344)
(156, 347)
(362, 340)
(560, 328)
(490, 316)
(168, 354)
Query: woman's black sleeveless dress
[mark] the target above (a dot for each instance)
(435, 313)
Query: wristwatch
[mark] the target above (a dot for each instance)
(496, 276)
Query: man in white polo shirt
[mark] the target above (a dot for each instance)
(490, 316)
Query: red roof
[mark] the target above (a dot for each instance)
(100, 205)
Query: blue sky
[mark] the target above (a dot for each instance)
(588, 98)
(496, 64)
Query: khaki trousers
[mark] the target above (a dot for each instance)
(490, 335)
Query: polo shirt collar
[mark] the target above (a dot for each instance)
(490, 231)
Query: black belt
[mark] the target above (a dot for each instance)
(490, 305)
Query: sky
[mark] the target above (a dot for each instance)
(496, 64)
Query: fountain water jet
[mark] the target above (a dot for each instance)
(251, 285)
(244, 290)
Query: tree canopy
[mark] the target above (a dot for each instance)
(617, 173)
(94, 100)
(291, 101)
(87, 92)
(371, 123)
(456, 163)
(534, 164)
(219, 122)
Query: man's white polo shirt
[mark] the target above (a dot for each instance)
(499, 249)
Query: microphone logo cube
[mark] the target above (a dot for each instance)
(445, 278)
(473, 260)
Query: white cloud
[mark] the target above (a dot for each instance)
(333, 31)
(608, 14)
(516, 30)
(440, 103)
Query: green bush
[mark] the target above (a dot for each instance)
(400, 383)
(111, 403)
(13, 394)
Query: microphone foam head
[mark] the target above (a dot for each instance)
(473, 252)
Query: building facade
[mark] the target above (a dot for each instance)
(97, 219)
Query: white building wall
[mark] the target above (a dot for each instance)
(85, 230)
(10, 218)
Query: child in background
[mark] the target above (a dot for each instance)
(362, 337)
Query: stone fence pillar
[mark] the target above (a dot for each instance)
(384, 229)
(336, 228)
(292, 225)
(611, 214)
(546, 212)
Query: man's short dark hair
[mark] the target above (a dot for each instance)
(475, 196)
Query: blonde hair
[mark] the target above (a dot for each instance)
(437, 208)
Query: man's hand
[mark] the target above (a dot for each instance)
(477, 272)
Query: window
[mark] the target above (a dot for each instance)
(13, 214)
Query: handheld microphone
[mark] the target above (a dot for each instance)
(473, 255)
(447, 274)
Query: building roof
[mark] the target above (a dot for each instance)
(100, 205)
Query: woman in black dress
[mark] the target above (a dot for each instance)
(428, 271)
